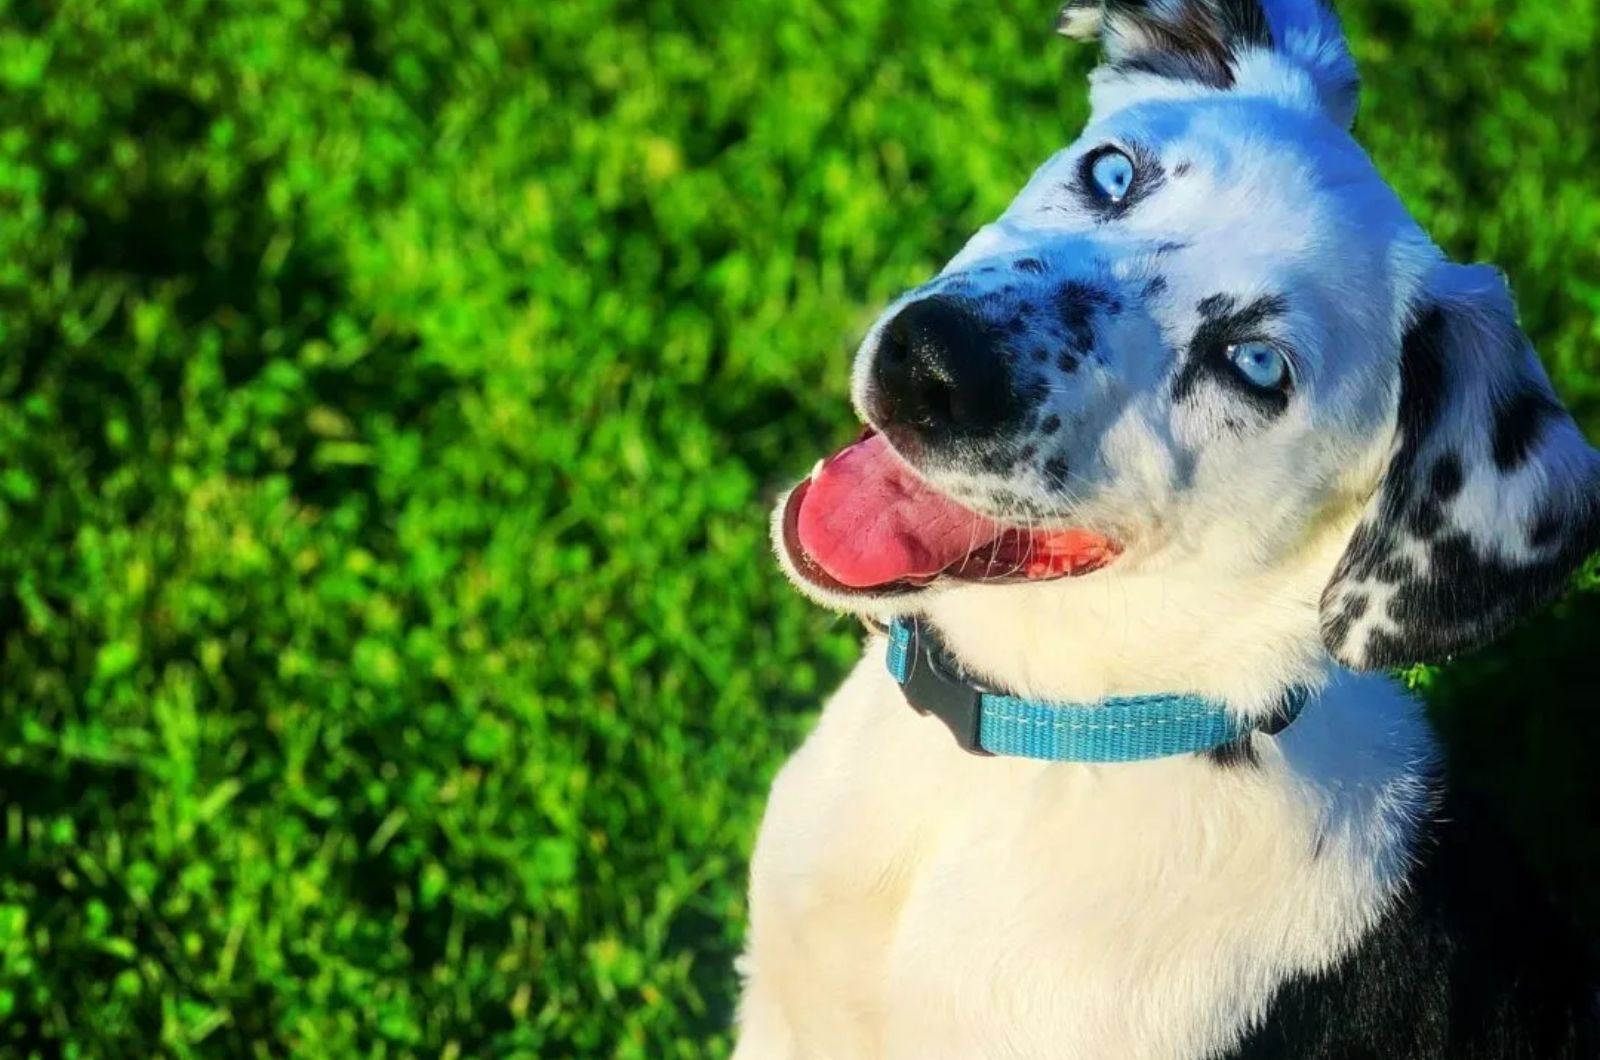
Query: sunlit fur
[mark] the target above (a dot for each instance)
(912, 901)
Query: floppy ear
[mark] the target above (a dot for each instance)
(1213, 43)
(1491, 499)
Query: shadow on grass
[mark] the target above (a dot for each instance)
(1519, 724)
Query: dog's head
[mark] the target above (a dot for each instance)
(1206, 340)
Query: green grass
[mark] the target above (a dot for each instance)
(390, 398)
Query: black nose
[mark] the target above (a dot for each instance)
(939, 371)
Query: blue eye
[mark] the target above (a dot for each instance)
(1112, 173)
(1261, 364)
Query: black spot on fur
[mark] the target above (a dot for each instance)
(1235, 754)
(1027, 453)
(1182, 169)
(1463, 595)
(1017, 325)
(1517, 425)
(1394, 570)
(1372, 548)
(1445, 480)
(1337, 631)
(1017, 505)
(1545, 531)
(1468, 596)
(1067, 363)
(1033, 265)
(1055, 469)
(1076, 305)
(1170, 247)
(1421, 396)
(1422, 378)
(1037, 390)
(1051, 424)
(1041, 354)
(1156, 286)
(997, 461)
(1368, 543)
(1426, 519)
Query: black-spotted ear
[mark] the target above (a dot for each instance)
(1211, 42)
(1491, 499)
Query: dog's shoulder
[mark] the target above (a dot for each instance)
(1473, 962)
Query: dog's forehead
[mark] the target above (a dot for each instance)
(1240, 197)
(1216, 161)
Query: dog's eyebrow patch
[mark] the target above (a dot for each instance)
(1222, 323)
(1033, 265)
(1220, 311)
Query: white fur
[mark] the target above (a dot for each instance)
(911, 901)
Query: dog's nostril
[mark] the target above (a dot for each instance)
(933, 404)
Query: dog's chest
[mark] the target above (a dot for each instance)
(936, 904)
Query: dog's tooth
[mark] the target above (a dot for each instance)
(818, 469)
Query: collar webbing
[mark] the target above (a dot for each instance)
(1116, 729)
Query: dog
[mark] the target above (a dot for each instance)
(1182, 452)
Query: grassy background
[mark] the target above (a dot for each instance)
(390, 398)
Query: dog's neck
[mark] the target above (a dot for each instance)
(1173, 626)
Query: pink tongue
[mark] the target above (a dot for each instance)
(868, 520)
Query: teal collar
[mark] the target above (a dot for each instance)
(1118, 729)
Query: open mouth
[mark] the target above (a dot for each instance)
(865, 524)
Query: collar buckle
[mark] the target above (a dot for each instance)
(931, 688)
